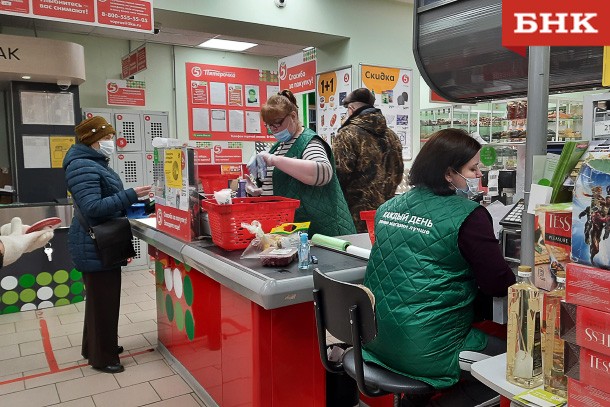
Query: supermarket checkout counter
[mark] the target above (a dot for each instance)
(242, 333)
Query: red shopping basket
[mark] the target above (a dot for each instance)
(216, 182)
(226, 220)
(369, 218)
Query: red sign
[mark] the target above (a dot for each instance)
(134, 15)
(227, 155)
(435, 97)
(554, 23)
(134, 62)
(75, 10)
(125, 93)
(15, 6)
(174, 222)
(298, 78)
(203, 156)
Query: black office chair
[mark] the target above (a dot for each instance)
(347, 311)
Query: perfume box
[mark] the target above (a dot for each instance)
(588, 286)
(586, 365)
(585, 327)
(584, 395)
(552, 243)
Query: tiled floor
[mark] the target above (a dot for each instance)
(31, 377)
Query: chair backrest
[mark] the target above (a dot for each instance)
(335, 299)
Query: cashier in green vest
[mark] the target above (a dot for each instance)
(434, 249)
(301, 165)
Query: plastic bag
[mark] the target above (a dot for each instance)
(260, 242)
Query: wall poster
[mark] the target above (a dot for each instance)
(224, 102)
(331, 88)
(392, 88)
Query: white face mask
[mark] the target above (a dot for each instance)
(472, 185)
(106, 147)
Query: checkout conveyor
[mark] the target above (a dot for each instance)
(269, 287)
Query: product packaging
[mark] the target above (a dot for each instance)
(588, 286)
(587, 366)
(273, 257)
(585, 327)
(591, 203)
(553, 236)
(584, 395)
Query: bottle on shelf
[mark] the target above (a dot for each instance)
(555, 381)
(524, 346)
(303, 252)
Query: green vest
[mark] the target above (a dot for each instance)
(324, 205)
(424, 288)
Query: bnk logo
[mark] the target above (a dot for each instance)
(555, 23)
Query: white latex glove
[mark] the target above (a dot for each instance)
(257, 166)
(16, 244)
(268, 158)
(15, 227)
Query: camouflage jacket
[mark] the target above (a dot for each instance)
(369, 164)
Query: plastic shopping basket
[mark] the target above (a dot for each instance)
(225, 220)
(215, 182)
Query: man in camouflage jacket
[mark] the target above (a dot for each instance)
(368, 156)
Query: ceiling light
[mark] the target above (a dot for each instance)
(227, 45)
(308, 48)
(26, 77)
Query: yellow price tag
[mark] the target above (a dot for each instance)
(327, 85)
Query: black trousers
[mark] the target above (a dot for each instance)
(103, 299)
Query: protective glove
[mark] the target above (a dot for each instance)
(16, 244)
(257, 166)
(15, 226)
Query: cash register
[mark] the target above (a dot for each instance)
(511, 232)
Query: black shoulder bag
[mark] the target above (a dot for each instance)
(113, 239)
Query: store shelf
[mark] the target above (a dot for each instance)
(500, 122)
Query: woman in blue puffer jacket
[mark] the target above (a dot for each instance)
(99, 194)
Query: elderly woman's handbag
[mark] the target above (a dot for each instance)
(113, 239)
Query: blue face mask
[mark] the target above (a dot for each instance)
(282, 136)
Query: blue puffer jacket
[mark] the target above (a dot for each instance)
(98, 192)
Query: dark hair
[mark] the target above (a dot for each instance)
(279, 106)
(448, 148)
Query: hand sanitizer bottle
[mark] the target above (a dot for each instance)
(303, 252)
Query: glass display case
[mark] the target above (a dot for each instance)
(596, 113)
(505, 122)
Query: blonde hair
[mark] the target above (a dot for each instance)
(280, 105)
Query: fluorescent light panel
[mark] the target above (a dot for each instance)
(227, 45)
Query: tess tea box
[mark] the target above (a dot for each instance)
(583, 395)
(587, 366)
(588, 286)
(585, 327)
(553, 235)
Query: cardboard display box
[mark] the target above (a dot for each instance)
(588, 286)
(591, 207)
(584, 395)
(586, 366)
(585, 327)
(553, 237)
